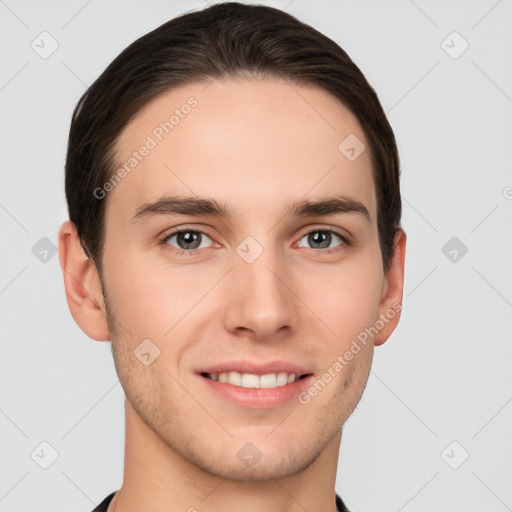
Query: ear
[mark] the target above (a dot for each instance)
(390, 306)
(82, 284)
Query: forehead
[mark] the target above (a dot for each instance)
(246, 143)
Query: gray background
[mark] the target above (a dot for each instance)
(443, 377)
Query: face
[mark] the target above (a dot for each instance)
(228, 301)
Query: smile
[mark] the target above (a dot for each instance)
(251, 380)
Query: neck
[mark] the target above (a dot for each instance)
(158, 478)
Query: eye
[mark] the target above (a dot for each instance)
(188, 240)
(322, 239)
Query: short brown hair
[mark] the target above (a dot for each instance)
(225, 40)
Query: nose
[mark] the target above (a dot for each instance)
(260, 301)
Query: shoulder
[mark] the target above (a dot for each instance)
(102, 507)
(340, 506)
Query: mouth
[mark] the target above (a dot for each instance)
(255, 381)
(250, 385)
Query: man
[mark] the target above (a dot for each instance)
(234, 201)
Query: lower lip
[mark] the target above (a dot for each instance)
(258, 398)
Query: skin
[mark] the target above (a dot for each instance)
(254, 146)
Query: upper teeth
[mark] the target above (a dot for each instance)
(250, 380)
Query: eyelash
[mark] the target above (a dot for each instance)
(182, 252)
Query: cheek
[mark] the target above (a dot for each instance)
(345, 297)
(149, 296)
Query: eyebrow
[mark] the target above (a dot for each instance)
(194, 206)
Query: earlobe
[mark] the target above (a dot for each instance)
(82, 285)
(392, 291)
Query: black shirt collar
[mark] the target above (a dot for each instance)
(102, 507)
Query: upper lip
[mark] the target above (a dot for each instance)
(256, 368)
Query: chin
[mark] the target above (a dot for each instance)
(260, 472)
(261, 461)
